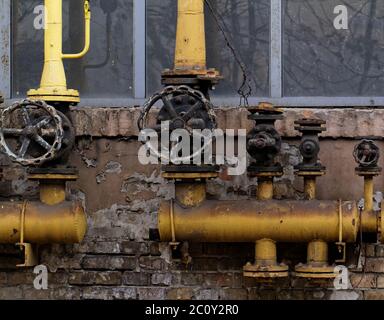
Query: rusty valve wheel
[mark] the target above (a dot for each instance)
(183, 107)
(31, 132)
(366, 153)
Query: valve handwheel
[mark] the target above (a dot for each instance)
(366, 153)
(183, 107)
(31, 132)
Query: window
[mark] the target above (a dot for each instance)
(320, 60)
(247, 25)
(106, 71)
(293, 52)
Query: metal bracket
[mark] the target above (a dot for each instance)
(30, 251)
(342, 246)
(174, 244)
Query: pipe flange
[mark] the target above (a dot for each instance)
(272, 271)
(315, 272)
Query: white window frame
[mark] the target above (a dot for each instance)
(139, 67)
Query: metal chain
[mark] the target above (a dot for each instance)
(245, 90)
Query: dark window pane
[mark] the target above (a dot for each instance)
(322, 61)
(106, 71)
(247, 24)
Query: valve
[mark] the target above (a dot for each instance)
(31, 132)
(264, 141)
(183, 107)
(366, 154)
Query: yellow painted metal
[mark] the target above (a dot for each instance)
(265, 189)
(317, 262)
(52, 193)
(317, 252)
(368, 193)
(248, 221)
(190, 51)
(190, 194)
(310, 187)
(265, 265)
(53, 86)
(64, 223)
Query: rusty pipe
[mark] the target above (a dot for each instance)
(249, 221)
(64, 223)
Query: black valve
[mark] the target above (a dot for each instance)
(366, 154)
(264, 141)
(310, 144)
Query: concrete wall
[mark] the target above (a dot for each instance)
(117, 260)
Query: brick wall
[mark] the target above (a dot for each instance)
(118, 261)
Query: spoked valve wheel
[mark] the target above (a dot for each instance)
(31, 132)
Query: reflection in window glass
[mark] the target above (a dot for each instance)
(106, 71)
(322, 61)
(247, 24)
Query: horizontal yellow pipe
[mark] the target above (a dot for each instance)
(64, 223)
(249, 221)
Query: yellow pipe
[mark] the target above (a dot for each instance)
(190, 194)
(310, 188)
(62, 224)
(317, 252)
(52, 192)
(265, 189)
(190, 53)
(53, 85)
(265, 252)
(249, 221)
(368, 193)
(87, 32)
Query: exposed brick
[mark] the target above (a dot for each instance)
(212, 280)
(109, 262)
(10, 293)
(66, 293)
(3, 278)
(309, 294)
(154, 249)
(380, 282)
(30, 293)
(204, 264)
(98, 247)
(374, 265)
(180, 294)
(191, 278)
(369, 250)
(108, 278)
(82, 278)
(152, 263)
(374, 295)
(20, 278)
(344, 295)
(136, 278)
(379, 250)
(134, 248)
(257, 294)
(233, 294)
(163, 279)
(230, 264)
(361, 280)
(156, 293)
(107, 293)
(207, 294)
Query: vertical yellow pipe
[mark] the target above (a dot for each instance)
(317, 252)
(265, 252)
(368, 193)
(190, 38)
(265, 189)
(53, 73)
(310, 188)
(52, 192)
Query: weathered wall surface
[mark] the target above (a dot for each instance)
(117, 260)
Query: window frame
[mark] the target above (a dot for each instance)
(139, 67)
